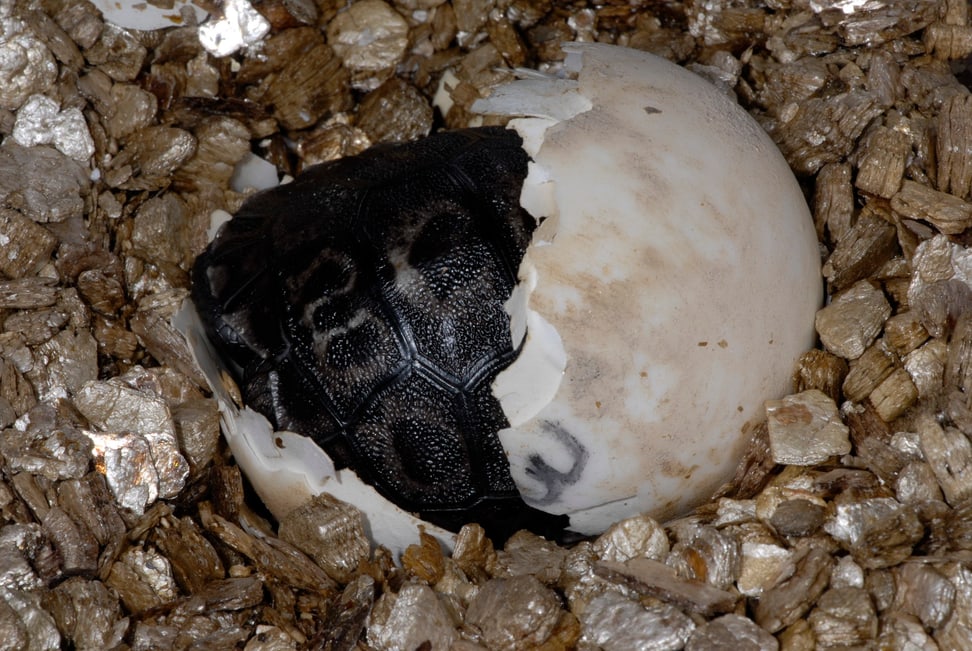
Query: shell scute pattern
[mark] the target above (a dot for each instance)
(362, 305)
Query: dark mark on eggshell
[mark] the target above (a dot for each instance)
(554, 480)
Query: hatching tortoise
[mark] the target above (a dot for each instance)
(362, 305)
(668, 294)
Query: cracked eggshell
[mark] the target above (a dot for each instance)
(667, 294)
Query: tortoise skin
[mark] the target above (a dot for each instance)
(362, 305)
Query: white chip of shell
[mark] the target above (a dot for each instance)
(254, 173)
(667, 294)
(147, 16)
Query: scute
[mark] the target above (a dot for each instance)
(362, 305)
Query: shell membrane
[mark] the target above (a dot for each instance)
(362, 305)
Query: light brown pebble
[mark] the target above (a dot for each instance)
(26, 245)
(762, 562)
(904, 333)
(149, 158)
(30, 67)
(514, 614)
(117, 53)
(143, 579)
(299, 76)
(411, 618)
(731, 632)
(844, 617)
(894, 395)
(882, 166)
(869, 370)
(880, 23)
(948, 41)
(902, 631)
(270, 638)
(806, 429)
(916, 484)
(526, 553)
(789, 600)
(394, 112)
(26, 623)
(636, 537)
(370, 39)
(862, 249)
(42, 183)
(46, 446)
(657, 579)
(329, 531)
(954, 146)
(613, 622)
(821, 370)
(272, 556)
(949, 453)
(853, 320)
(193, 558)
(946, 212)
(925, 593)
(89, 503)
(833, 204)
(879, 532)
(88, 613)
(424, 561)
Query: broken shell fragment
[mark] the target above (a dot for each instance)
(643, 324)
(149, 15)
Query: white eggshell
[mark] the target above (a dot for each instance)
(254, 173)
(667, 295)
(134, 14)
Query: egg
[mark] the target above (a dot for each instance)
(669, 287)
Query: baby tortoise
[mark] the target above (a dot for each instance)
(362, 305)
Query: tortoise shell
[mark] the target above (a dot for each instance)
(363, 305)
